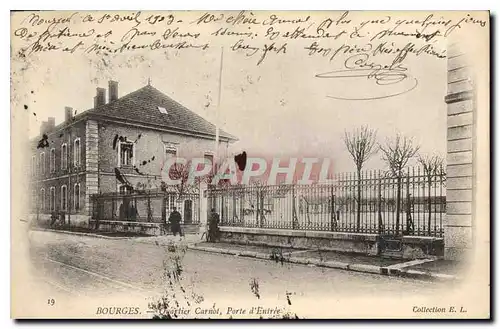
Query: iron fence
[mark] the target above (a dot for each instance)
(151, 206)
(374, 202)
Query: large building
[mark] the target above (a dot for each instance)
(132, 135)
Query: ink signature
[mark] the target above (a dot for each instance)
(359, 67)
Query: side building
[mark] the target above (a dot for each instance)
(131, 135)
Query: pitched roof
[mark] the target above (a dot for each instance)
(142, 106)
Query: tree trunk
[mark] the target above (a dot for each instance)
(398, 203)
(429, 206)
(295, 220)
(257, 209)
(358, 215)
(234, 208)
(332, 211)
(379, 204)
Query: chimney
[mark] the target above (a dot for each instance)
(43, 127)
(101, 96)
(95, 101)
(113, 90)
(68, 114)
(48, 125)
(51, 123)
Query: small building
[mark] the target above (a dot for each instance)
(120, 144)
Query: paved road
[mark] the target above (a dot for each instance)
(85, 273)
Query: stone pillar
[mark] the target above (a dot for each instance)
(203, 208)
(91, 162)
(460, 100)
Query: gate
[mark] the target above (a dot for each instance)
(188, 211)
(149, 206)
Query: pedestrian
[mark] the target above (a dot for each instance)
(175, 222)
(213, 226)
(133, 213)
(121, 212)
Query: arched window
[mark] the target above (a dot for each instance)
(42, 163)
(76, 197)
(126, 154)
(76, 152)
(42, 199)
(52, 160)
(64, 156)
(64, 198)
(52, 199)
(33, 165)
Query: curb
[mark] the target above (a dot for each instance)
(363, 268)
(106, 237)
(81, 234)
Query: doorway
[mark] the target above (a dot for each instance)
(188, 212)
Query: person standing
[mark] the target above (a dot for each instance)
(175, 222)
(213, 226)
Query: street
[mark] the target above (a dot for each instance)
(94, 277)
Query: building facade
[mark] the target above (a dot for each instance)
(461, 125)
(119, 144)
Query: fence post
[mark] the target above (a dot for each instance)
(150, 215)
(379, 202)
(257, 207)
(164, 208)
(294, 209)
(409, 222)
(332, 210)
(262, 216)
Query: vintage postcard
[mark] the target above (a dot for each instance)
(250, 165)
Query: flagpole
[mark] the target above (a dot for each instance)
(217, 123)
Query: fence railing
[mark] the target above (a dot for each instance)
(151, 206)
(375, 202)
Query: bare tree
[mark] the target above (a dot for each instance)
(181, 172)
(361, 144)
(433, 167)
(397, 152)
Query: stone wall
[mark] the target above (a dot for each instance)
(460, 149)
(357, 243)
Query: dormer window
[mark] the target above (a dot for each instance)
(162, 110)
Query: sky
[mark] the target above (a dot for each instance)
(275, 109)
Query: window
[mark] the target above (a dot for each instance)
(76, 197)
(42, 163)
(170, 203)
(76, 152)
(52, 160)
(125, 189)
(33, 165)
(170, 152)
(126, 154)
(209, 159)
(162, 110)
(52, 199)
(64, 198)
(64, 156)
(42, 199)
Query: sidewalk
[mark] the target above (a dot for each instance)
(425, 269)
(160, 240)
